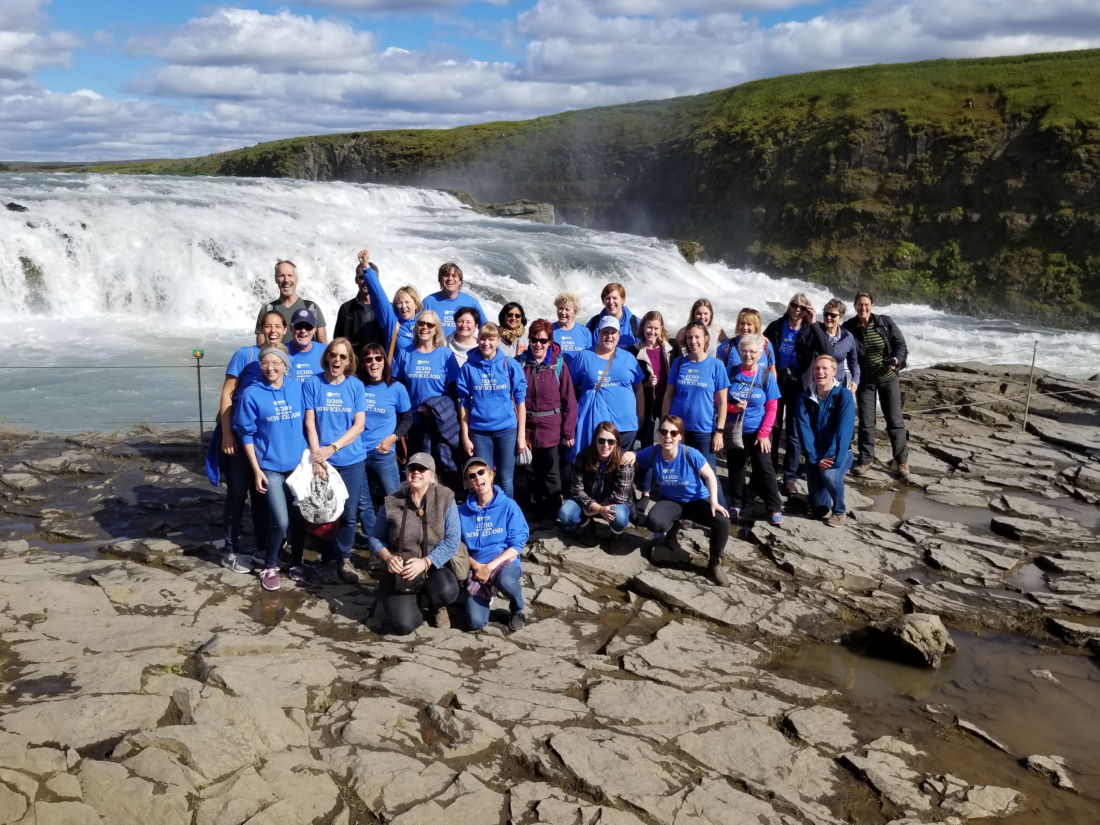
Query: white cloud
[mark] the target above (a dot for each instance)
(396, 5)
(23, 50)
(237, 76)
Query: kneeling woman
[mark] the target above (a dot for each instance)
(417, 534)
(603, 486)
(268, 421)
(495, 532)
(687, 488)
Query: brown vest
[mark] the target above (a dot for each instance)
(421, 534)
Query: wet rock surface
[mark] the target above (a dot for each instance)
(148, 683)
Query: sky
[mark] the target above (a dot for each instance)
(119, 79)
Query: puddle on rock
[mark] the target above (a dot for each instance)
(1036, 702)
(45, 687)
(270, 608)
(908, 502)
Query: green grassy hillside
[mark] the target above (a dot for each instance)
(971, 184)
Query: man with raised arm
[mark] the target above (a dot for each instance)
(288, 302)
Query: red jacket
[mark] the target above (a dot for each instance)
(551, 400)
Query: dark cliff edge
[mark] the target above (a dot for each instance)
(971, 185)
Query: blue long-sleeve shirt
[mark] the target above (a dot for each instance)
(490, 391)
(270, 419)
(452, 534)
(387, 316)
(846, 353)
(826, 425)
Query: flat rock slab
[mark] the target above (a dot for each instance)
(85, 720)
(738, 605)
(612, 766)
(824, 727)
(657, 711)
(688, 655)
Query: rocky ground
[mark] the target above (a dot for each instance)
(148, 684)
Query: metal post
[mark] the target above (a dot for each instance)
(1030, 381)
(198, 376)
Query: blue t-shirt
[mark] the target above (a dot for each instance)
(446, 308)
(617, 389)
(572, 341)
(729, 355)
(334, 407)
(677, 480)
(425, 376)
(245, 367)
(382, 406)
(696, 383)
(766, 389)
(303, 365)
(785, 357)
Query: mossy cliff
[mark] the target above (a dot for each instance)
(969, 184)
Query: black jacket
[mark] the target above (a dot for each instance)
(895, 342)
(810, 342)
(360, 325)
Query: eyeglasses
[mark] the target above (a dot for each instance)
(373, 359)
(475, 474)
(540, 341)
(339, 356)
(607, 441)
(832, 314)
(668, 433)
(425, 325)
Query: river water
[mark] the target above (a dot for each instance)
(113, 271)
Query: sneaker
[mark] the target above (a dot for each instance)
(269, 578)
(442, 619)
(516, 622)
(347, 572)
(735, 513)
(777, 518)
(835, 520)
(860, 469)
(718, 573)
(296, 574)
(903, 469)
(237, 563)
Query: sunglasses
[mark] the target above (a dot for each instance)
(540, 340)
(475, 474)
(668, 433)
(832, 314)
(514, 315)
(750, 310)
(338, 356)
(416, 468)
(425, 325)
(797, 306)
(373, 359)
(298, 327)
(607, 441)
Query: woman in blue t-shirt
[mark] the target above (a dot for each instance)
(428, 370)
(268, 422)
(335, 415)
(696, 394)
(609, 382)
(397, 318)
(686, 488)
(754, 404)
(232, 463)
(387, 419)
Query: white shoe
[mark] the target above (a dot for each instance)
(237, 563)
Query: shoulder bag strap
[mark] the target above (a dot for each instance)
(607, 369)
(393, 343)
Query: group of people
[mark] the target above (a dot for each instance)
(432, 390)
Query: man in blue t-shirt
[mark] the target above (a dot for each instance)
(450, 298)
(305, 353)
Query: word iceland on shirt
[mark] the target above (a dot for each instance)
(283, 411)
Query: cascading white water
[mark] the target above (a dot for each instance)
(119, 271)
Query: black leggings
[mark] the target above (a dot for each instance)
(403, 609)
(664, 514)
(763, 473)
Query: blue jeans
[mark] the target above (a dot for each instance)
(508, 583)
(702, 442)
(281, 515)
(571, 515)
(379, 471)
(827, 486)
(236, 471)
(498, 448)
(352, 476)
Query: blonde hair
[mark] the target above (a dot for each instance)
(488, 330)
(352, 365)
(751, 315)
(654, 315)
(411, 293)
(568, 297)
(438, 339)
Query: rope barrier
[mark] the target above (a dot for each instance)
(992, 401)
(964, 360)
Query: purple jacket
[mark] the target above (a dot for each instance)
(551, 400)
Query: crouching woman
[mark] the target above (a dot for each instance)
(603, 484)
(417, 537)
(495, 532)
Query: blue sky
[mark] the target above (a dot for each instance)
(117, 79)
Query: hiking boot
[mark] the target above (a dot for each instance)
(516, 622)
(860, 469)
(331, 573)
(441, 619)
(718, 573)
(347, 572)
(269, 578)
(903, 469)
(237, 563)
(835, 520)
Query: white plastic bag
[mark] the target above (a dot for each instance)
(321, 500)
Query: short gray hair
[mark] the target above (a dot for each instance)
(836, 304)
(753, 340)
